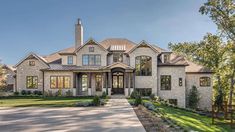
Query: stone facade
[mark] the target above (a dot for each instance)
(205, 92)
(176, 92)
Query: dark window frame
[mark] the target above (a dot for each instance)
(70, 60)
(163, 82)
(31, 63)
(32, 82)
(56, 82)
(207, 84)
(91, 49)
(94, 61)
(140, 70)
(98, 76)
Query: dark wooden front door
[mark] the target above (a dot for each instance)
(118, 83)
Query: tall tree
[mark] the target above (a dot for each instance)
(222, 13)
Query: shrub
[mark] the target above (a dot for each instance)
(134, 94)
(138, 100)
(219, 99)
(96, 100)
(16, 93)
(29, 92)
(23, 92)
(69, 93)
(193, 98)
(152, 97)
(35, 92)
(39, 92)
(48, 93)
(103, 95)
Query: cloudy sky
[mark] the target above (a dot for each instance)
(46, 26)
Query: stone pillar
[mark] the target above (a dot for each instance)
(89, 84)
(104, 82)
(110, 83)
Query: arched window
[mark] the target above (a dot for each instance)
(143, 65)
(205, 81)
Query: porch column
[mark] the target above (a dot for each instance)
(110, 83)
(89, 83)
(104, 82)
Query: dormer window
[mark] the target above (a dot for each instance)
(117, 57)
(31, 63)
(70, 60)
(166, 58)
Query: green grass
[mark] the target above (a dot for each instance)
(42, 102)
(192, 121)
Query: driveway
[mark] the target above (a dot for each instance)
(117, 116)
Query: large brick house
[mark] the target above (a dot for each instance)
(115, 66)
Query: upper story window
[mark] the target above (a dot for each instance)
(91, 49)
(32, 82)
(70, 60)
(91, 60)
(165, 82)
(117, 57)
(31, 63)
(143, 65)
(166, 58)
(205, 81)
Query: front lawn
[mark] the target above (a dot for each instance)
(28, 101)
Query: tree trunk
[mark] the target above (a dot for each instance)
(231, 89)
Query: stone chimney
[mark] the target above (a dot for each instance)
(78, 34)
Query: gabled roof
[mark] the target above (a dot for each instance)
(119, 65)
(41, 59)
(56, 56)
(90, 42)
(143, 43)
(175, 60)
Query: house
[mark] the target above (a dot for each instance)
(7, 78)
(114, 66)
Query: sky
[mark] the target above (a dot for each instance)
(47, 26)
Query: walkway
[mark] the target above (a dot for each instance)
(116, 116)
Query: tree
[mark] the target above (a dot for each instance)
(209, 52)
(222, 13)
(193, 98)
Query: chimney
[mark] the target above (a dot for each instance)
(78, 34)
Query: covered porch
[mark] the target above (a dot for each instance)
(117, 78)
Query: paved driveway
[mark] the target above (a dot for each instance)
(116, 116)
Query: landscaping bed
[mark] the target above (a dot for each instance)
(173, 117)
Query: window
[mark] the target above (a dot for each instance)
(91, 49)
(31, 63)
(143, 66)
(60, 82)
(32, 82)
(165, 82)
(173, 101)
(91, 60)
(205, 81)
(70, 60)
(117, 57)
(98, 82)
(84, 83)
(85, 59)
(180, 82)
(166, 58)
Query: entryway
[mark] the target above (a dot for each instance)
(118, 83)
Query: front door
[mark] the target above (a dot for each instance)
(118, 83)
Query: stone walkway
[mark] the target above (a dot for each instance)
(116, 116)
